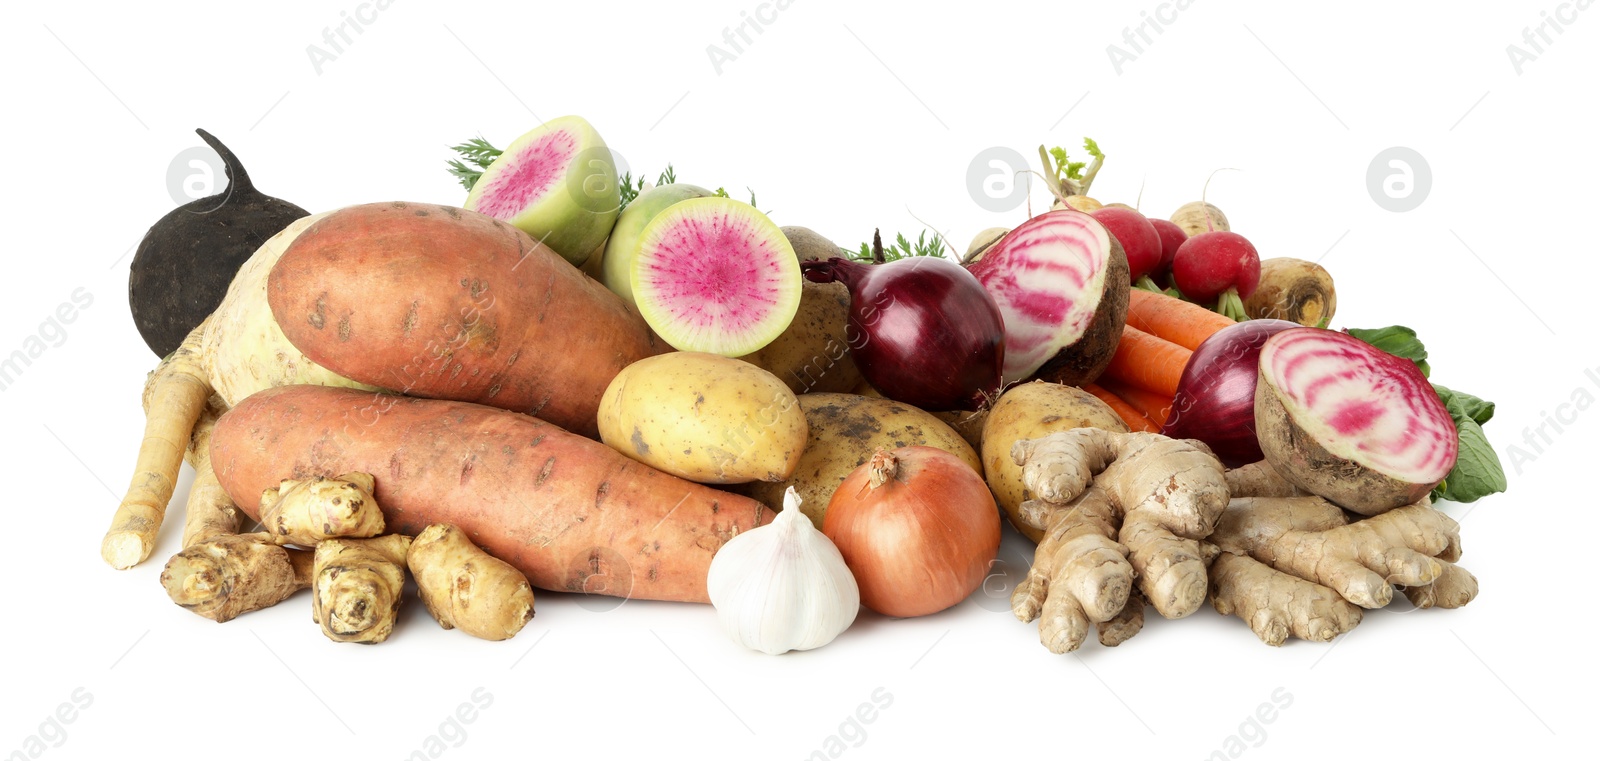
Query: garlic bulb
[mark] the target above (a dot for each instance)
(783, 586)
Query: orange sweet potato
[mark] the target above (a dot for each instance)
(445, 303)
(570, 513)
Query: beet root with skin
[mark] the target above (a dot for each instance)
(188, 258)
(1350, 423)
(570, 513)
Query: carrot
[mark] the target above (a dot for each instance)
(1152, 405)
(1136, 420)
(571, 513)
(1175, 320)
(1148, 362)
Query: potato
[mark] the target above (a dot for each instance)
(1029, 411)
(813, 354)
(706, 418)
(846, 430)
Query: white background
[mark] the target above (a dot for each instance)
(842, 116)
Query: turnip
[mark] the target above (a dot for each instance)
(1349, 422)
(1069, 180)
(1295, 290)
(1198, 217)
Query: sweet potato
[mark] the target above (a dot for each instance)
(570, 513)
(440, 302)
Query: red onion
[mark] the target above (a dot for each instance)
(922, 330)
(1216, 397)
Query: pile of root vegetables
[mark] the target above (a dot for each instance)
(589, 384)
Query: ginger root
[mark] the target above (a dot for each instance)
(1296, 565)
(357, 585)
(465, 587)
(228, 575)
(1116, 508)
(307, 511)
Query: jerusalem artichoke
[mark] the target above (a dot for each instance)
(307, 511)
(356, 587)
(467, 588)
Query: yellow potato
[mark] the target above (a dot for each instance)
(846, 430)
(1029, 411)
(705, 418)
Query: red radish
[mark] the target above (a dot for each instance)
(1172, 236)
(1218, 264)
(715, 275)
(1216, 399)
(1140, 241)
(922, 330)
(1061, 282)
(1349, 422)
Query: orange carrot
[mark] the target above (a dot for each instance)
(1153, 406)
(1148, 362)
(1175, 320)
(1129, 415)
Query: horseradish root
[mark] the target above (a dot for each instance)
(177, 392)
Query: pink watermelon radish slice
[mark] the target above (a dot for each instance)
(616, 271)
(1349, 422)
(715, 275)
(1061, 282)
(558, 183)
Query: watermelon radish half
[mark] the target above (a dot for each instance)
(616, 270)
(558, 183)
(1061, 282)
(715, 275)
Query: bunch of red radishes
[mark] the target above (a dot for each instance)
(1212, 266)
